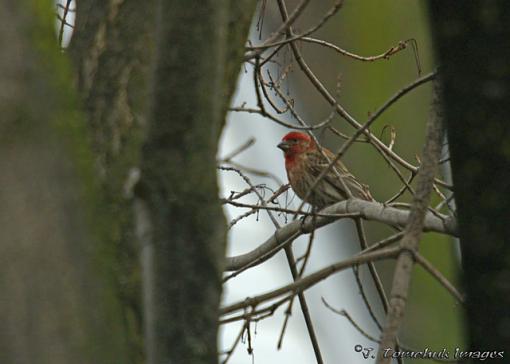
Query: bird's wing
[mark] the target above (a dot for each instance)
(331, 178)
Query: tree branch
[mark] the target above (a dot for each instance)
(368, 210)
(411, 238)
(310, 280)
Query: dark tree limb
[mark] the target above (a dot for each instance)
(475, 75)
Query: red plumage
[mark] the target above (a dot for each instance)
(304, 163)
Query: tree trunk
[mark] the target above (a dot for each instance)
(470, 39)
(199, 53)
(112, 50)
(58, 303)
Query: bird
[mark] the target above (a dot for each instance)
(304, 162)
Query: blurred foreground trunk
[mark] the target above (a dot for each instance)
(475, 75)
(58, 303)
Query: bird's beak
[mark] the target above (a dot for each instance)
(285, 146)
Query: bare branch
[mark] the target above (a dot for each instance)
(292, 265)
(285, 210)
(345, 314)
(63, 21)
(239, 150)
(257, 50)
(386, 55)
(310, 280)
(411, 238)
(420, 259)
(281, 30)
(367, 210)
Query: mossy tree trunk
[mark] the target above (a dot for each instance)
(198, 59)
(58, 300)
(475, 73)
(112, 50)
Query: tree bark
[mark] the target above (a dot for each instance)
(112, 50)
(58, 303)
(475, 73)
(199, 55)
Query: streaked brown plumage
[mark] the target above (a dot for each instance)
(304, 162)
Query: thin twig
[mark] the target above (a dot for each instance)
(292, 265)
(239, 150)
(234, 345)
(384, 243)
(63, 22)
(375, 278)
(420, 259)
(269, 43)
(282, 29)
(255, 172)
(386, 55)
(306, 256)
(350, 319)
(406, 186)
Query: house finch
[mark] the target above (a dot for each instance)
(304, 162)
